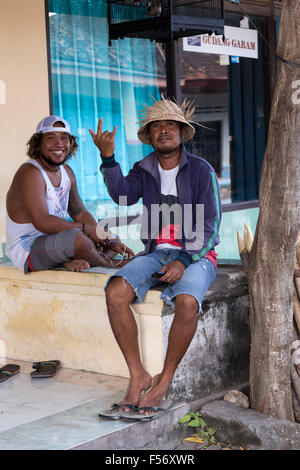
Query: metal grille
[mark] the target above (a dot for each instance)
(163, 19)
(202, 8)
(129, 10)
(264, 3)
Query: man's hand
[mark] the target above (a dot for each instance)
(174, 272)
(114, 245)
(119, 247)
(105, 141)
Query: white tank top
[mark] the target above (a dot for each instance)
(20, 237)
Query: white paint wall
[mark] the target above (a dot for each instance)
(24, 95)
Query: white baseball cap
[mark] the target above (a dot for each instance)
(46, 125)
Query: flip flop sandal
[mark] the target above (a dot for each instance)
(45, 369)
(8, 371)
(157, 411)
(114, 411)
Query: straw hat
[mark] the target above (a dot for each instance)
(166, 110)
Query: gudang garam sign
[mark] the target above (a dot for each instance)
(241, 42)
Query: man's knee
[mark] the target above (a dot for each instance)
(119, 293)
(187, 306)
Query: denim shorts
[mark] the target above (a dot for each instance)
(196, 279)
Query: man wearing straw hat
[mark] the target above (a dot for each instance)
(179, 245)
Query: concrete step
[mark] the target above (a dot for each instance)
(61, 413)
(80, 428)
(251, 429)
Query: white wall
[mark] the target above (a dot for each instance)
(24, 95)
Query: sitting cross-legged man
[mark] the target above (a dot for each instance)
(42, 197)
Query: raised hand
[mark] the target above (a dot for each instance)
(105, 141)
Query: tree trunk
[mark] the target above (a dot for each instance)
(272, 257)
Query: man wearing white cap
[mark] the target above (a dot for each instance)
(179, 249)
(42, 196)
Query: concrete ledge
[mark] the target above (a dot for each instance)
(62, 315)
(250, 429)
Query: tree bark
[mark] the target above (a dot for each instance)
(272, 257)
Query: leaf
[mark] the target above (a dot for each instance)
(194, 439)
(194, 423)
(202, 422)
(184, 419)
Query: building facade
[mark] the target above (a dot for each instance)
(55, 57)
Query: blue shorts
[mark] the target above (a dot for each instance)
(195, 281)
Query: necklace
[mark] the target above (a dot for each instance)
(56, 170)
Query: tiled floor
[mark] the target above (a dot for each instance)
(56, 413)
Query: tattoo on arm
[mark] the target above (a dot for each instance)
(76, 205)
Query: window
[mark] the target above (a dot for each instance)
(230, 108)
(205, 81)
(92, 80)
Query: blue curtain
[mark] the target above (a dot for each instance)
(248, 125)
(92, 80)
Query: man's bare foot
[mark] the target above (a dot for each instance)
(155, 396)
(136, 386)
(77, 265)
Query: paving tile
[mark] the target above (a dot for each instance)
(24, 400)
(64, 430)
(12, 415)
(59, 412)
(46, 394)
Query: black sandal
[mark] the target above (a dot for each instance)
(45, 369)
(8, 371)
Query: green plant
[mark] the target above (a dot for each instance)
(195, 420)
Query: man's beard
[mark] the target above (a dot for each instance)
(166, 151)
(51, 162)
